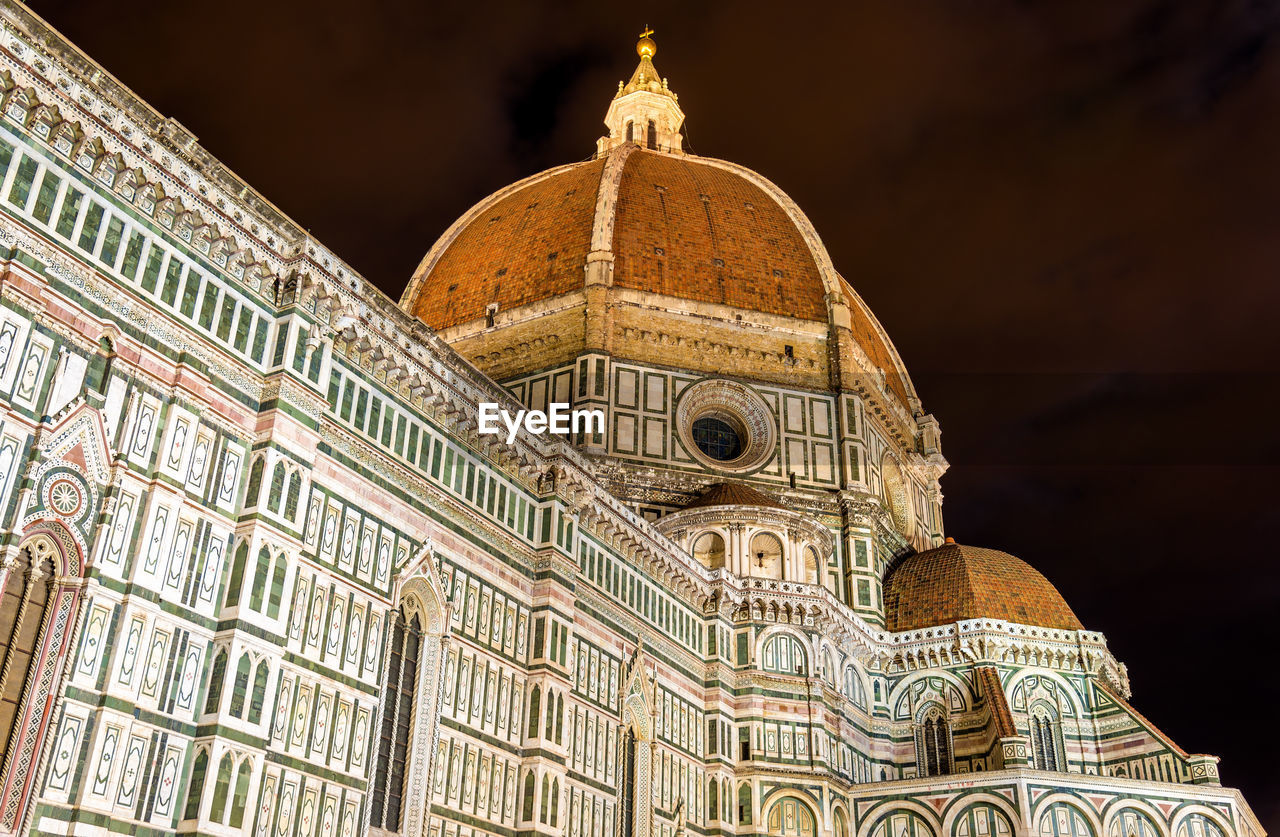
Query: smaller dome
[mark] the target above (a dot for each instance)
(951, 583)
(733, 494)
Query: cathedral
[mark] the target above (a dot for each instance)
(262, 572)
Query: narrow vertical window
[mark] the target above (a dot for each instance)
(628, 812)
(652, 135)
(241, 795)
(259, 696)
(258, 591)
(215, 682)
(397, 721)
(221, 790)
(240, 690)
(196, 789)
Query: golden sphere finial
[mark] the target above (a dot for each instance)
(646, 48)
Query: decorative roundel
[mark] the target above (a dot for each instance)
(726, 426)
(65, 497)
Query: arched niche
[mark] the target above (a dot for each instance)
(708, 549)
(766, 556)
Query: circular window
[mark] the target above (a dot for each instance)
(726, 426)
(717, 438)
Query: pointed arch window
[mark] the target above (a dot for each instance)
(933, 743)
(277, 488)
(259, 696)
(1046, 745)
(255, 482)
(236, 583)
(241, 689)
(221, 790)
(535, 712)
(526, 806)
(260, 572)
(631, 132)
(294, 493)
(216, 676)
(400, 688)
(277, 588)
(744, 804)
(196, 790)
(241, 796)
(652, 135)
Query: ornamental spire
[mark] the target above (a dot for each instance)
(644, 111)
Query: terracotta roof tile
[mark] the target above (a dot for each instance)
(529, 246)
(695, 231)
(734, 494)
(952, 582)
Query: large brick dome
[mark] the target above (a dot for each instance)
(951, 583)
(679, 226)
(688, 234)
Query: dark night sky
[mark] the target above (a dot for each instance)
(1066, 215)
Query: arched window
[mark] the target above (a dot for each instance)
(295, 492)
(783, 653)
(260, 580)
(259, 696)
(559, 719)
(277, 488)
(933, 743)
(766, 556)
(216, 676)
(526, 807)
(535, 712)
(241, 689)
(744, 804)
(196, 789)
(708, 549)
(555, 802)
(241, 796)
(653, 135)
(631, 132)
(277, 588)
(1046, 745)
(713, 800)
(546, 798)
(22, 609)
(255, 482)
(236, 583)
(549, 732)
(399, 689)
(221, 789)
